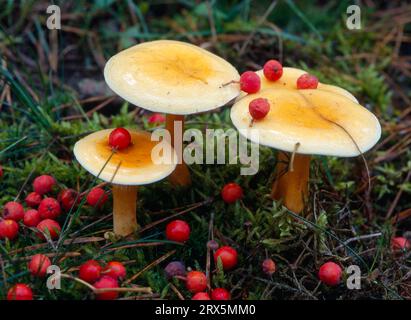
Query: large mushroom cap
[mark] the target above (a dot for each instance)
(138, 165)
(289, 81)
(171, 77)
(321, 122)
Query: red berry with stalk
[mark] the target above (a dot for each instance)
(90, 271)
(196, 281)
(96, 197)
(273, 70)
(68, 199)
(20, 291)
(115, 270)
(8, 229)
(268, 267)
(156, 118)
(49, 208)
(43, 184)
(400, 244)
(31, 218)
(201, 296)
(228, 256)
(330, 273)
(33, 199)
(38, 265)
(119, 138)
(259, 108)
(106, 282)
(307, 81)
(178, 230)
(231, 192)
(13, 210)
(48, 227)
(250, 82)
(220, 294)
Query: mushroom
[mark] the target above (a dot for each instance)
(175, 78)
(306, 122)
(126, 169)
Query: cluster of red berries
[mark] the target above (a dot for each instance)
(106, 277)
(43, 209)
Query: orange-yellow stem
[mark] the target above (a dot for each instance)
(124, 210)
(181, 175)
(291, 186)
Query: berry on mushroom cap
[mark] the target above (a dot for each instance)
(33, 199)
(273, 70)
(330, 273)
(38, 265)
(228, 256)
(119, 138)
(96, 197)
(250, 82)
(307, 81)
(20, 291)
(43, 184)
(259, 108)
(49, 208)
(104, 283)
(31, 218)
(13, 210)
(196, 281)
(178, 230)
(231, 192)
(8, 229)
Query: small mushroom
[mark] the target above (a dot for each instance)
(175, 78)
(125, 169)
(304, 123)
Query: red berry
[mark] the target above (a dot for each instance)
(38, 265)
(399, 244)
(115, 270)
(268, 266)
(49, 227)
(90, 271)
(273, 70)
(49, 208)
(8, 229)
(43, 184)
(13, 210)
(196, 281)
(231, 192)
(220, 294)
(201, 296)
(250, 82)
(96, 197)
(307, 81)
(228, 256)
(1, 171)
(156, 118)
(178, 230)
(330, 273)
(20, 291)
(68, 199)
(103, 283)
(33, 199)
(259, 108)
(119, 138)
(31, 218)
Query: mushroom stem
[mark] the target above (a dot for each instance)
(124, 210)
(181, 176)
(292, 185)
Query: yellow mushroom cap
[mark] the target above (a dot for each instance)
(171, 77)
(321, 122)
(289, 78)
(134, 165)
